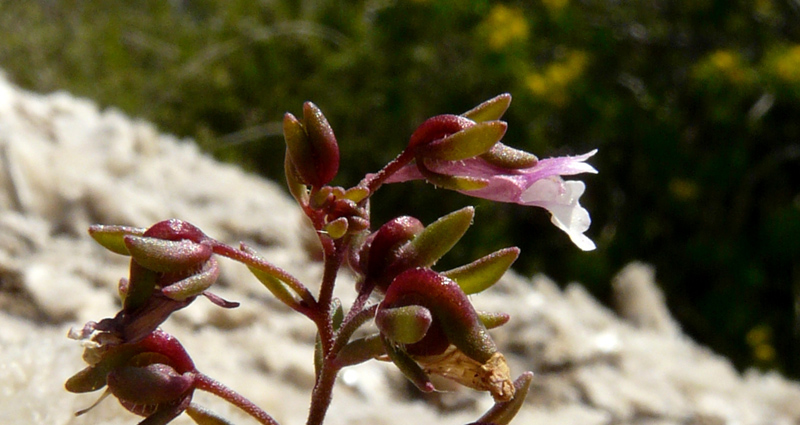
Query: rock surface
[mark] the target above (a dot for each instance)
(64, 164)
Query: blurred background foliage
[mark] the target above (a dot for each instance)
(693, 104)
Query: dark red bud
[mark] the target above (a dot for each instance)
(152, 384)
(163, 343)
(451, 309)
(311, 146)
(321, 136)
(175, 230)
(437, 127)
(384, 256)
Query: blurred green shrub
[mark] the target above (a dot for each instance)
(695, 106)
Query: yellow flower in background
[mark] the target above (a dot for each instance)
(786, 66)
(723, 59)
(780, 71)
(555, 6)
(721, 69)
(505, 25)
(760, 341)
(729, 64)
(552, 85)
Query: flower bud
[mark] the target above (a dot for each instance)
(450, 307)
(437, 127)
(385, 257)
(311, 146)
(171, 264)
(467, 143)
(153, 377)
(175, 230)
(152, 384)
(457, 344)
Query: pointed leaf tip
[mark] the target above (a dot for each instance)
(484, 272)
(492, 109)
(404, 325)
(111, 237)
(440, 236)
(467, 143)
(408, 366)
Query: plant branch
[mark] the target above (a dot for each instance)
(321, 396)
(351, 324)
(205, 383)
(251, 260)
(373, 181)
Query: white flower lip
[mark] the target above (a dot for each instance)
(561, 199)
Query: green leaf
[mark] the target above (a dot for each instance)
(440, 236)
(284, 286)
(166, 256)
(360, 350)
(507, 157)
(492, 109)
(493, 320)
(93, 377)
(408, 366)
(111, 237)
(90, 379)
(202, 416)
(338, 314)
(481, 274)
(404, 325)
(467, 143)
(278, 288)
(194, 284)
(317, 355)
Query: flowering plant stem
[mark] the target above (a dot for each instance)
(321, 395)
(424, 321)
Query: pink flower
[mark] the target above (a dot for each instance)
(540, 185)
